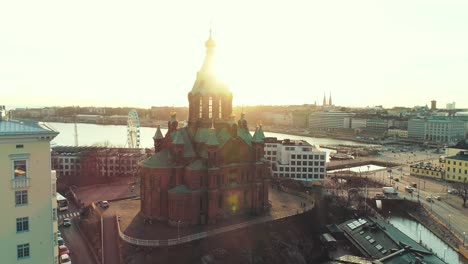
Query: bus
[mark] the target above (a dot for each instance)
(62, 202)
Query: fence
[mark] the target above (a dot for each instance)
(448, 223)
(189, 238)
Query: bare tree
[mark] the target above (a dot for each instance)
(462, 188)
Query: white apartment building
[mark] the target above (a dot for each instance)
(296, 159)
(28, 226)
(328, 120)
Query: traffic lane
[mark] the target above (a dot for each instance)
(110, 240)
(79, 252)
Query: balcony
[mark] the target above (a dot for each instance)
(20, 182)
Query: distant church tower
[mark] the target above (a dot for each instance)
(330, 100)
(324, 99)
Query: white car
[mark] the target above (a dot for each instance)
(65, 259)
(104, 204)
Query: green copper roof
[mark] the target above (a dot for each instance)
(177, 138)
(223, 136)
(180, 189)
(162, 159)
(258, 136)
(183, 138)
(212, 140)
(202, 135)
(15, 127)
(197, 165)
(244, 134)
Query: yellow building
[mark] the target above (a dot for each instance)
(400, 133)
(28, 226)
(426, 170)
(457, 167)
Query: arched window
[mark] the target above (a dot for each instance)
(200, 108)
(210, 107)
(220, 115)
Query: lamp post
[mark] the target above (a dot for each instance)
(464, 235)
(178, 233)
(420, 231)
(445, 249)
(450, 226)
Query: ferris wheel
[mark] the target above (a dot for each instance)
(133, 129)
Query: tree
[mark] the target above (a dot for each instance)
(462, 188)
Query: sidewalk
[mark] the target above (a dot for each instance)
(133, 225)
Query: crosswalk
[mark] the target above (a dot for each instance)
(68, 215)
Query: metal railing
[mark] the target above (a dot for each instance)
(446, 220)
(20, 182)
(189, 238)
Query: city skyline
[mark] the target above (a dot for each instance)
(147, 54)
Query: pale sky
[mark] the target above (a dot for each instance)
(147, 53)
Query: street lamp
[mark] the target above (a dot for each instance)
(178, 233)
(420, 231)
(464, 234)
(450, 226)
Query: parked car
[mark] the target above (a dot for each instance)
(409, 189)
(379, 196)
(104, 204)
(66, 222)
(414, 185)
(430, 199)
(63, 250)
(438, 198)
(452, 191)
(65, 259)
(60, 241)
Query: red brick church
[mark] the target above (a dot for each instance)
(209, 170)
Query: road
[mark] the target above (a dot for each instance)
(79, 251)
(111, 247)
(451, 216)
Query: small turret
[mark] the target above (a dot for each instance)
(173, 123)
(178, 142)
(158, 139)
(242, 123)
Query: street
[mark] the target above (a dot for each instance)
(79, 251)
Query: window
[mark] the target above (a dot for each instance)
(22, 251)
(20, 167)
(19, 146)
(22, 224)
(219, 109)
(200, 108)
(21, 197)
(54, 214)
(293, 156)
(210, 107)
(304, 156)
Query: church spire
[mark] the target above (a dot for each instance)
(324, 99)
(330, 100)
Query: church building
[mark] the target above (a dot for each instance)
(211, 169)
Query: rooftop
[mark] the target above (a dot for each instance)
(17, 127)
(462, 155)
(380, 240)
